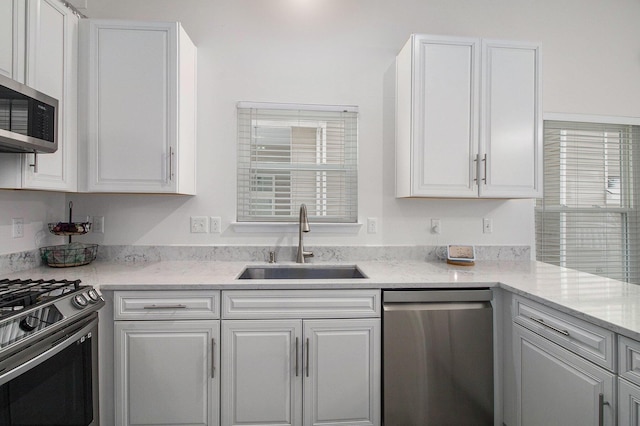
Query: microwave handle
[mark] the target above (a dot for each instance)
(35, 162)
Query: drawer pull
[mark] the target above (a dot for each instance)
(213, 358)
(307, 355)
(165, 307)
(557, 330)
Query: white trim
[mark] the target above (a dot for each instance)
(291, 227)
(588, 118)
(306, 107)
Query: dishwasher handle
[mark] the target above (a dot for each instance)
(436, 296)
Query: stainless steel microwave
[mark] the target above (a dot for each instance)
(28, 119)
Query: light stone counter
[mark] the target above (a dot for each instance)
(609, 303)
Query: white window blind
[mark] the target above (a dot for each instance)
(588, 218)
(294, 154)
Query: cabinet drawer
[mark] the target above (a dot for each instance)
(581, 337)
(166, 305)
(629, 359)
(266, 304)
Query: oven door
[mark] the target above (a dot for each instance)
(54, 382)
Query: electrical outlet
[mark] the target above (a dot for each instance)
(216, 225)
(487, 225)
(435, 226)
(97, 225)
(372, 225)
(17, 229)
(199, 224)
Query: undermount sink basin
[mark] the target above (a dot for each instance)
(301, 272)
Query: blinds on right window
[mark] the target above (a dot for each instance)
(588, 217)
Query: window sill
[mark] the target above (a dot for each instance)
(290, 227)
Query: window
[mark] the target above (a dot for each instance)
(293, 154)
(588, 218)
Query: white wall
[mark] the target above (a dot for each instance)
(342, 52)
(36, 209)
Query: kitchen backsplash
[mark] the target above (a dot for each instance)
(16, 262)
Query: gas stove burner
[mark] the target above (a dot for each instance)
(32, 309)
(18, 294)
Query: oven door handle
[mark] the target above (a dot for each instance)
(54, 348)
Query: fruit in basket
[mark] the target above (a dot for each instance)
(65, 227)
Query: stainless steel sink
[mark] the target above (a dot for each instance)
(301, 272)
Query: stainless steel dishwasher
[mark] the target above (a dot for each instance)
(437, 357)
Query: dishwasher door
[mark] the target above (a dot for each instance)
(437, 357)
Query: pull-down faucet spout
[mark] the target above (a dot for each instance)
(303, 223)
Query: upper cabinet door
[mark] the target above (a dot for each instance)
(139, 91)
(454, 139)
(511, 138)
(52, 62)
(437, 117)
(12, 39)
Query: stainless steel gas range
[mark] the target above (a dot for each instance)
(48, 353)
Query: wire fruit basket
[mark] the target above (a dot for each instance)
(66, 255)
(72, 254)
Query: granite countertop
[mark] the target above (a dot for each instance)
(609, 303)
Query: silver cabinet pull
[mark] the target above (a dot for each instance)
(170, 164)
(557, 330)
(165, 307)
(307, 356)
(296, 357)
(213, 358)
(601, 404)
(475, 162)
(484, 159)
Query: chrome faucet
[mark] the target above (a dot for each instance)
(303, 227)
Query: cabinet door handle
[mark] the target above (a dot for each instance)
(307, 356)
(484, 160)
(475, 163)
(170, 164)
(601, 404)
(557, 330)
(165, 307)
(296, 357)
(213, 358)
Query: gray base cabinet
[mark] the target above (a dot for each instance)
(556, 387)
(288, 362)
(167, 358)
(165, 372)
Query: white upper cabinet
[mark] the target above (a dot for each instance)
(45, 57)
(138, 121)
(468, 118)
(12, 39)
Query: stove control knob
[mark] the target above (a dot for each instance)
(28, 323)
(93, 296)
(79, 301)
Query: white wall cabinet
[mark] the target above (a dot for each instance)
(468, 118)
(51, 62)
(12, 39)
(167, 358)
(138, 87)
(298, 370)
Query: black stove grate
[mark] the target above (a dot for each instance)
(17, 294)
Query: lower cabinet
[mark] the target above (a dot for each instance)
(557, 387)
(167, 358)
(272, 357)
(628, 403)
(295, 372)
(166, 372)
